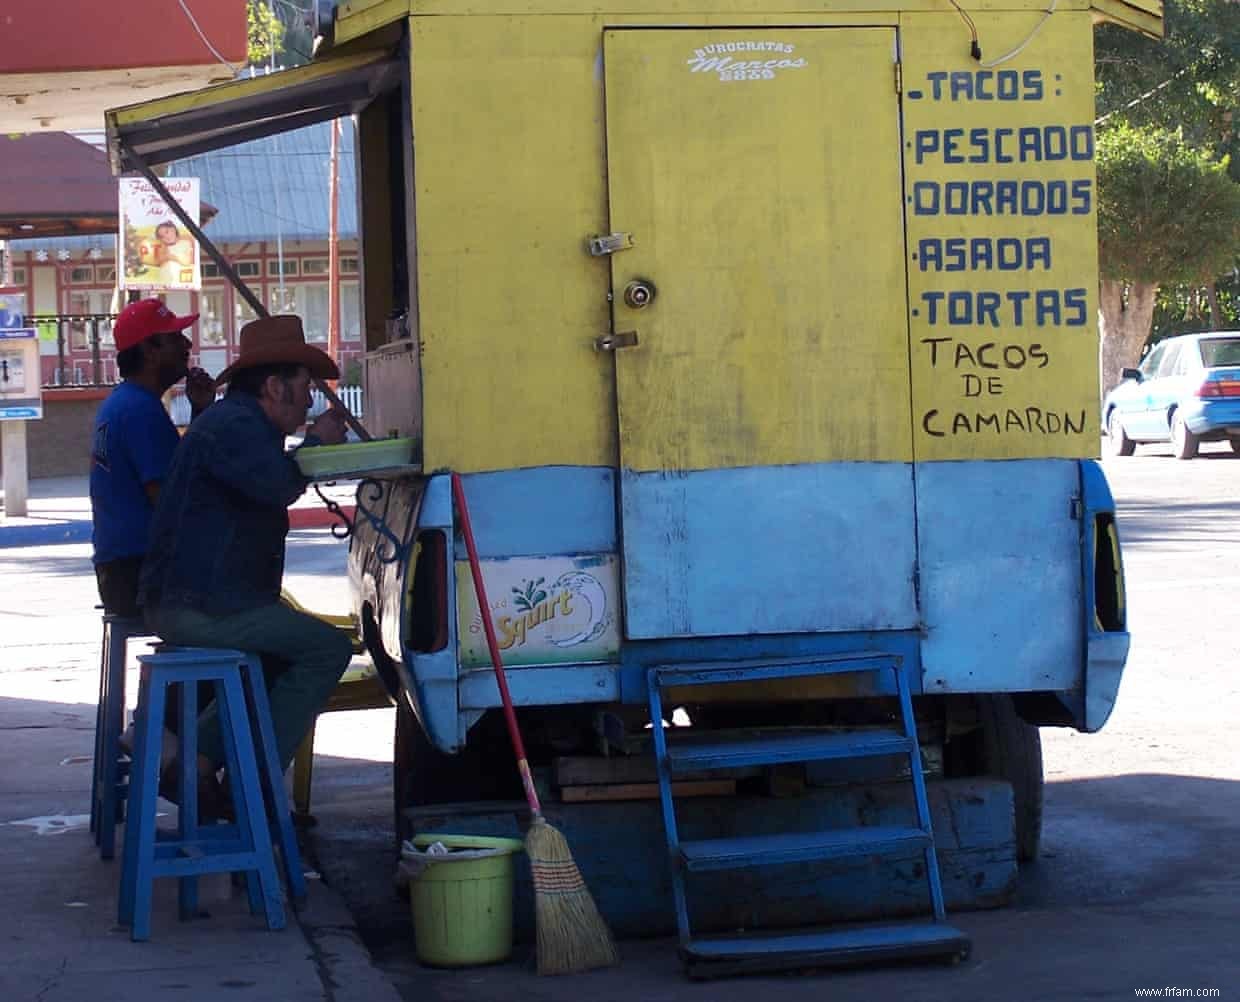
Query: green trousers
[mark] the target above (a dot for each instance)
(316, 652)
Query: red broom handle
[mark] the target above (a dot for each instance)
(484, 610)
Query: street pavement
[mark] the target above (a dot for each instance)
(1138, 885)
(57, 899)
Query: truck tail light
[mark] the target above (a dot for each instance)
(429, 602)
(1110, 600)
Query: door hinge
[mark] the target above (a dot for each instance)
(899, 77)
(602, 244)
(1076, 509)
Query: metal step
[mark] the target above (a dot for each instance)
(722, 956)
(799, 847)
(689, 755)
(765, 669)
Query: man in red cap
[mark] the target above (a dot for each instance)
(133, 443)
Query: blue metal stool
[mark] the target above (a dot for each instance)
(108, 786)
(256, 779)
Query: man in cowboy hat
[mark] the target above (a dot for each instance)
(213, 572)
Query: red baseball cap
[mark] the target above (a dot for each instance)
(144, 319)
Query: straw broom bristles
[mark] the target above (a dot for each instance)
(572, 935)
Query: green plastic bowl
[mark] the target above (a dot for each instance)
(354, 457)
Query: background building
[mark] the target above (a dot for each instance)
(271, 204)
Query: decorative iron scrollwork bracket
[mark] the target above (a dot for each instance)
(369, 492)
(342, 529)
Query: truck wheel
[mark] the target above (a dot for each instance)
(1120, 444)
(1005, 747)
(410, 749)
(423, 775)
(1012, 750)
(1183, 441)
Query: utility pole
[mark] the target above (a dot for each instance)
(333, 246)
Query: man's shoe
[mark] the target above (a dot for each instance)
(167, 745)
(214, 804)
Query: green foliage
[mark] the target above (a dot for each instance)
(1183, 309)
(1167, 212)
(265, 32)
(1189, 81)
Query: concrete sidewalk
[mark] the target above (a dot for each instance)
(57, 511)
(58, 914)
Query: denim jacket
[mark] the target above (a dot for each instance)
(217, 536)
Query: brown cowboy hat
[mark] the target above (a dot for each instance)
(279, 340)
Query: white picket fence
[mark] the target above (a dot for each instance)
(351, 396)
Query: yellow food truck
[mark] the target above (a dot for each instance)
(764, 337)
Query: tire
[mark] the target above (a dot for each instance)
(1002, 745)
(423, 775)
(1120, 444)
(1012, 750)
(1183, 441)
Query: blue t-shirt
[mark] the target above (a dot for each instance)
(133, 445)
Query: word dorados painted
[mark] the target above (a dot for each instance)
(735, 61)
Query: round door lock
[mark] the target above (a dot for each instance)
(639, 294)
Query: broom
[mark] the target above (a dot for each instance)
(572, 935)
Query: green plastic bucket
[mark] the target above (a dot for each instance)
(462, 907)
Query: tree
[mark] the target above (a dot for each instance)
(1189, 80)
(265, 32)
(1187, 84)
(280, 30)
(1167, 213)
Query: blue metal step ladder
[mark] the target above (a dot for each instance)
(717, 956)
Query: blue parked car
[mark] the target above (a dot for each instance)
(1186, 391)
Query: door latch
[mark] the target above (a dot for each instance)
(613, 342)
(602, 244)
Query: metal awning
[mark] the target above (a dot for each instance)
(183, 125)
(1145, 16)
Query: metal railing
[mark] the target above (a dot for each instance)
(67, 373)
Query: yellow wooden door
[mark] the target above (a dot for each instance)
(765, 435)
(758, 171)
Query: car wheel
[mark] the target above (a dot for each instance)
(1120, 443)
(1183, 441)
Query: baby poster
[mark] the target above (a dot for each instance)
(158, 253)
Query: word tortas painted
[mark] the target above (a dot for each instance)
(721, 58)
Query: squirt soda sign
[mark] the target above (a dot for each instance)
(157, 253)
